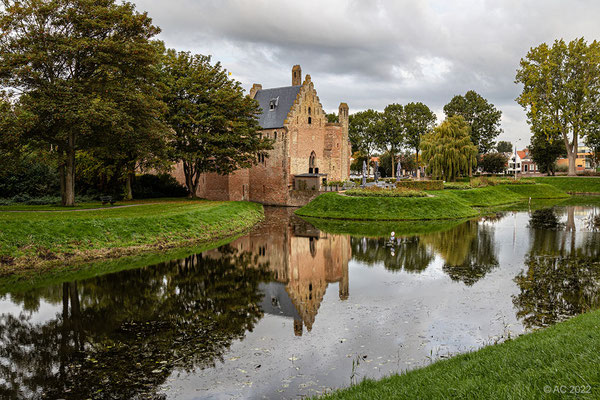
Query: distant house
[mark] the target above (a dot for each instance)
(583, 162)
(528, 166)
(513, 165)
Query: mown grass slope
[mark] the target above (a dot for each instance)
(533, 366)
(581, 184)
(59, 236)
(333, 205)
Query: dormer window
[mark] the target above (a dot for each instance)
(273, 103)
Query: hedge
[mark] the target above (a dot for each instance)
(421, 185)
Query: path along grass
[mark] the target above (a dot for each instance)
(443, 204)
(32, 240)
(557, 362)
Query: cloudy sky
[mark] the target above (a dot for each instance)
(372, 53)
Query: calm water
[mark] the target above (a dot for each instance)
(292, 310)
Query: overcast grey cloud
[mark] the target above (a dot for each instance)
(372, 53)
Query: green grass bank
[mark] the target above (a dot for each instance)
(442, 204)
(557, 362)
(36, 240)
(581, 184)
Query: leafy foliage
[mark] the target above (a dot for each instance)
(546, 148)
(418, 120)
(504, 147)
(482, 117)
(215, 125)
(493, 163)
(448, 150)
(561, 91)
(364, 128)
(391, 135)
(162, 185)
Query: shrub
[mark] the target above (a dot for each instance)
(456, 186)
(30, 178)
(421, 185)
(150, 186)
(380, 192)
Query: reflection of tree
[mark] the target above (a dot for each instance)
(121, 335)
(409, 254)
(468, 251)
(563, 274)
(557, 287)
(544, 218)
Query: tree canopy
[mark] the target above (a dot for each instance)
(418, 120)
(482, 117)
(561, 90)
(70, 62)
(215, 125)
(391, 135)
(448, 150)
(545, 149)
(494, 163)
(363, 130)
(504, 147)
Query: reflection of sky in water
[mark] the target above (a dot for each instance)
(392, 320)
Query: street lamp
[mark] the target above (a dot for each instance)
(515, 163)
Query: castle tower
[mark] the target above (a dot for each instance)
(343, 116)
(296, 75)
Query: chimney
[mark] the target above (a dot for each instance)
(343, 115)
(255, 88)
(296, 75)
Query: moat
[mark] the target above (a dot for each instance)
(291, 310)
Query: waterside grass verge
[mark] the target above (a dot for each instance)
(43, 241)
(557, 362)
(443, 204)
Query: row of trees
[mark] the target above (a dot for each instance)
(401, 127)
(84, 79)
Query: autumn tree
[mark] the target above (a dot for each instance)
(561, 90)
(482, 117)
(504, 147)
(448, 150)
(215, 125)
(363, 131)
(66, 59)
(418, 120)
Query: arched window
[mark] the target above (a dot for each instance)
(308, 110)
(309, 120)
(312, 163)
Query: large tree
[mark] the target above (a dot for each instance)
(561, 90)
(545, 149)
(363, 130)
(418, 120)
(391, 135)
(482, 117)
(494, 163)
(66, 58)
(448, 150)
(504, 147)
(215, 125)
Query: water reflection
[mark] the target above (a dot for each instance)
(119, 337)
(132, 333)
(562, 276)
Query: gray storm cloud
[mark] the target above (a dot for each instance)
(370, 54)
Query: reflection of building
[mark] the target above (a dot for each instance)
(303, 260)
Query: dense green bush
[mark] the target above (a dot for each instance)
(31, 178)
(150, 186)
(380, 192)
(421, 185)
(42, 200)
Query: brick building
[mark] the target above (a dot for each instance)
(307, 151)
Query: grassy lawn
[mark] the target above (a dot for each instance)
(443, 204)
(333, 205)
(38, 238)
(563, 357)
(580, 184)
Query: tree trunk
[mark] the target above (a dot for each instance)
(128, 183)
(61, 174)
(68, 195)
(191, 179)
(571, 153)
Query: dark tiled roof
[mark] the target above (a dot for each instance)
(270, 119)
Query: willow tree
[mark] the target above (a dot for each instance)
(561, 90)
(448, 150)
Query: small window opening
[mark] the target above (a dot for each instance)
(309, 120)
(273, 103)
(275, 135)
(308, 110)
